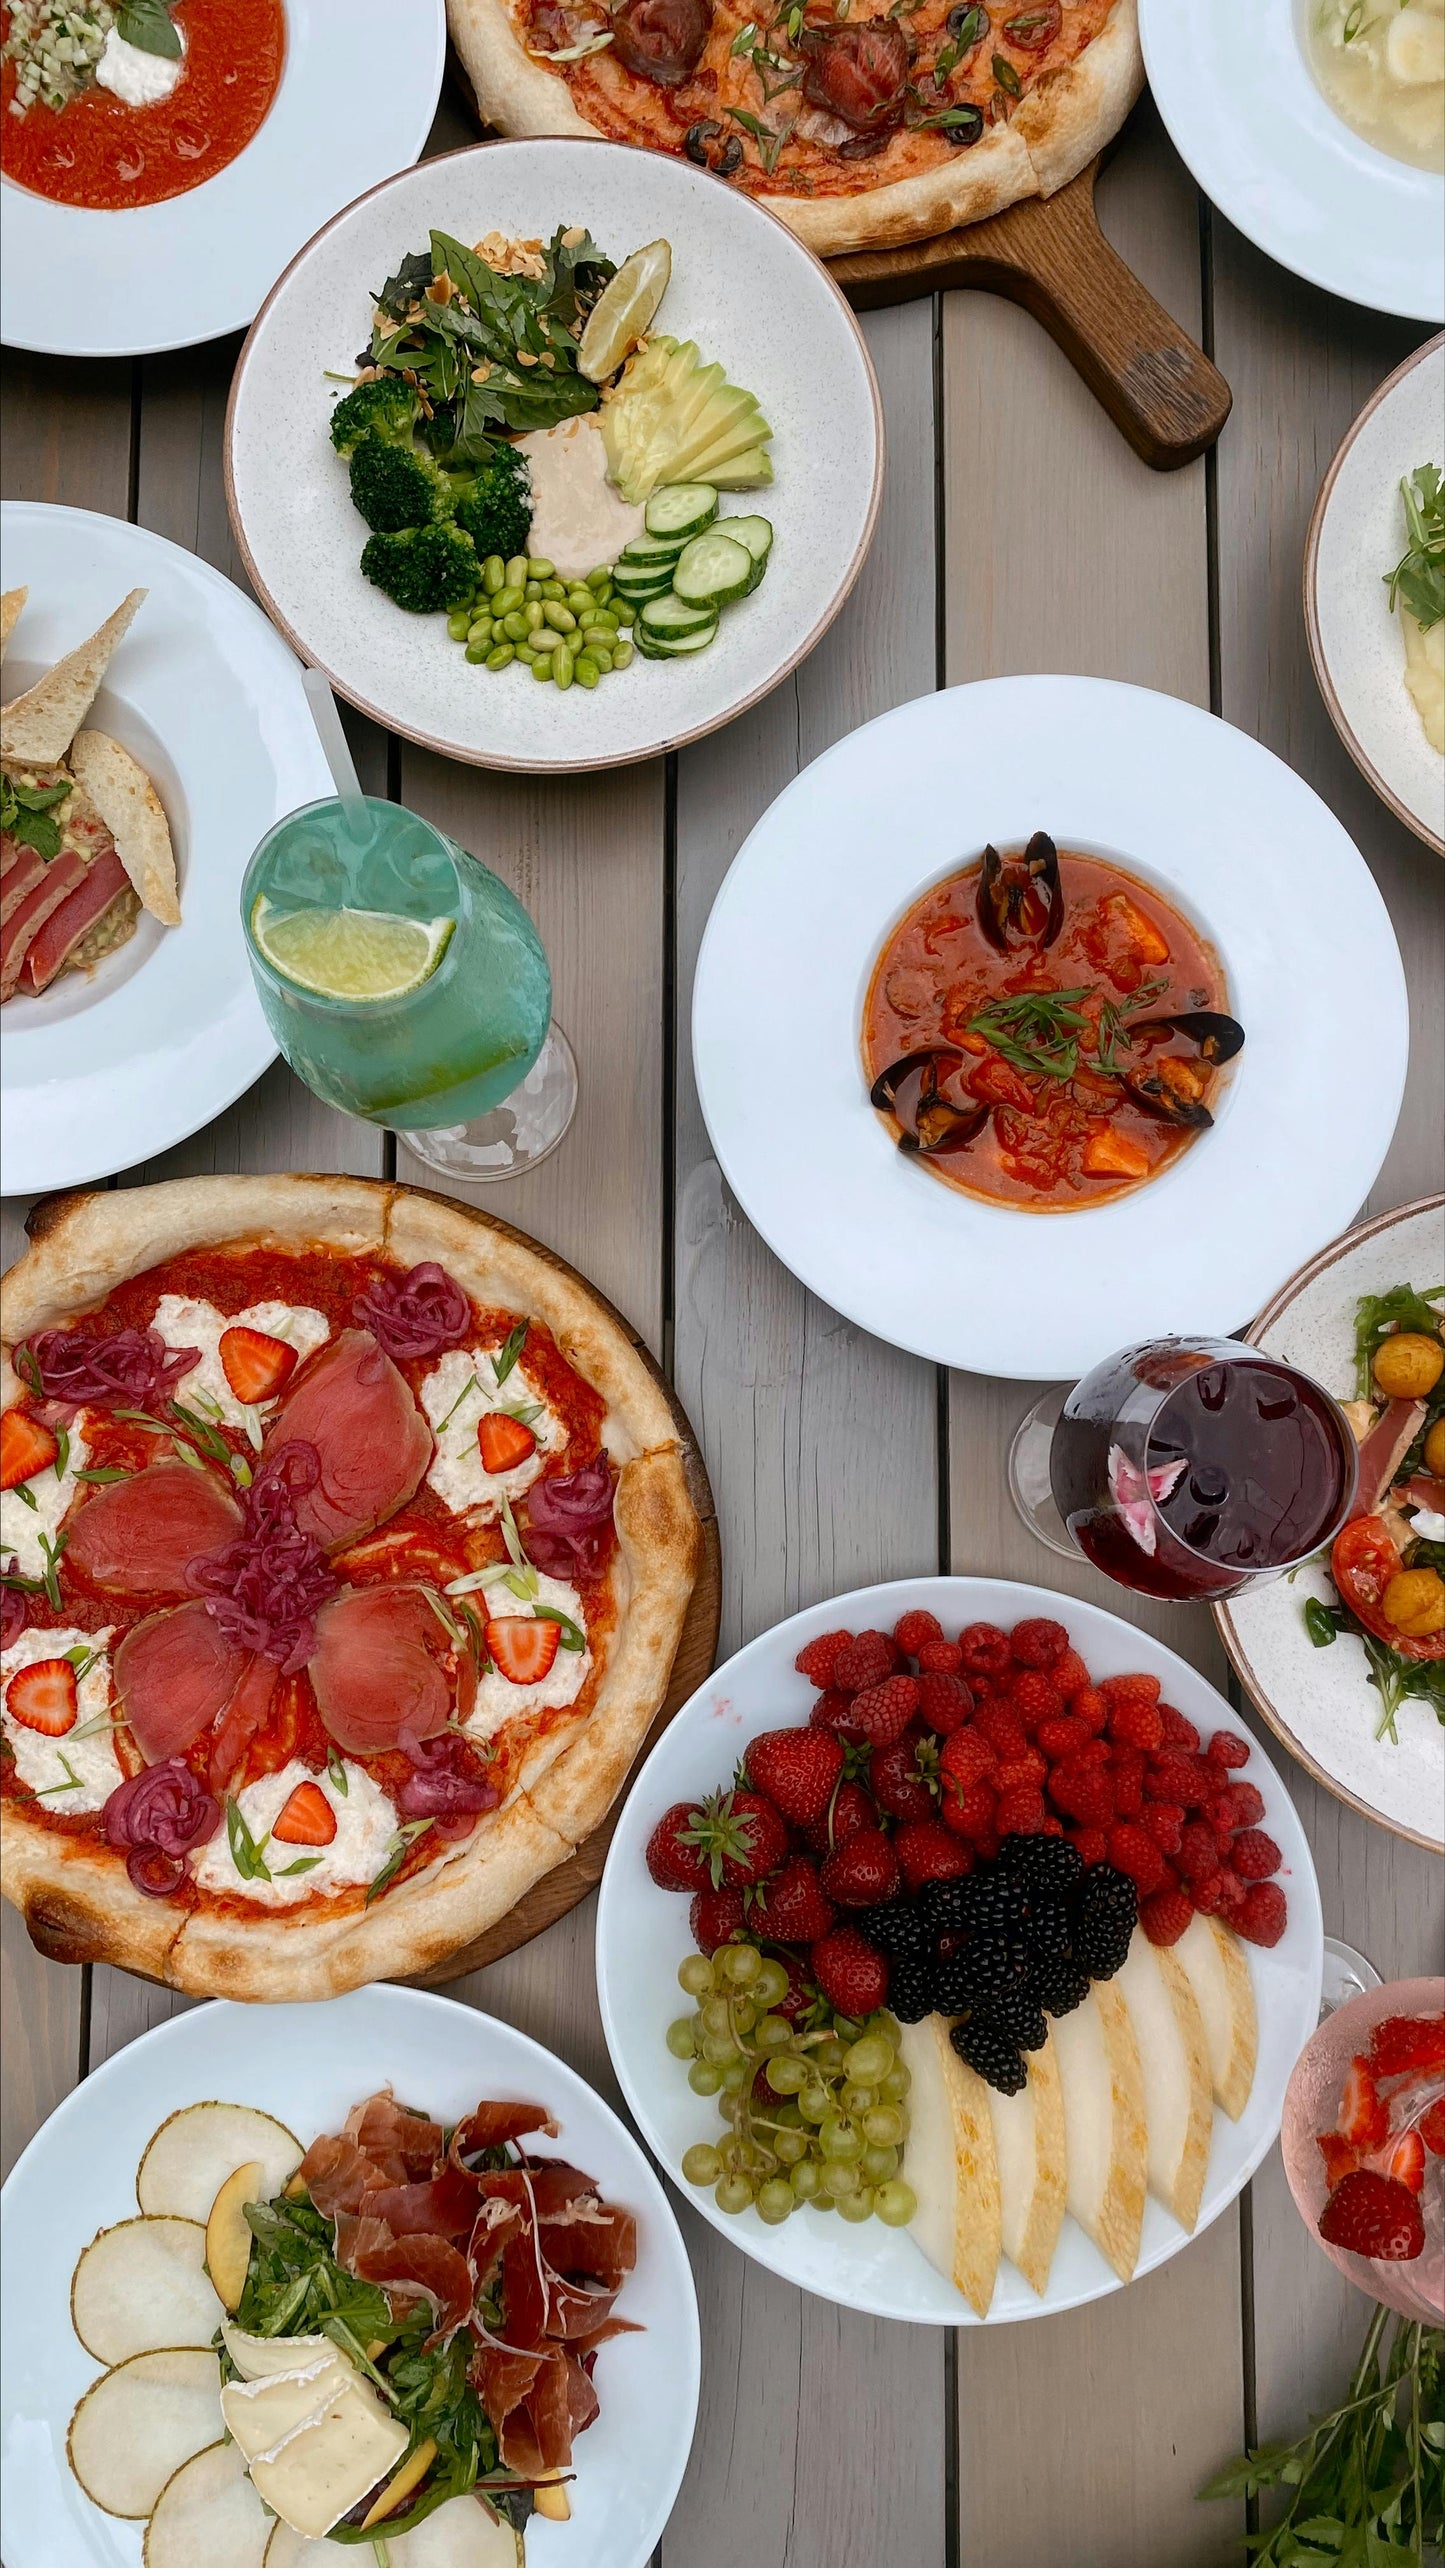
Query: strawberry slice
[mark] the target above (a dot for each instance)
(1340, 2159)
(504, 1442)
(1364, 2120)
(1432, 2128)
(1404, 2042)
(522, 1649)
(26, 1446)
(255, 1365)
(44, 1697)
(307, 1819)
(1406, 2161)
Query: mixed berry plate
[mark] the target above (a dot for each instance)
(1144, 2111)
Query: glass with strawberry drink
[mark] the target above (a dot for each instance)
(1363, 2141)
(1187, 1468)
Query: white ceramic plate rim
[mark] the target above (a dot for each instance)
(1231, 835)
(1271, 153)
(547, 750)
(151, 277)
(866, 2268)
(370, 2025)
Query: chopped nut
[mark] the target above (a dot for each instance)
(573, 240)
(525, 357)
(440, 290)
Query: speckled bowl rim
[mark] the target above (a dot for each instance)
(1235, 1651)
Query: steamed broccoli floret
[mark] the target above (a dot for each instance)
(497, 511)
(386, 408)
(424, 568)
(396, 486)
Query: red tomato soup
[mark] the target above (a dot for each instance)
(96, 150)
(1053, 1028)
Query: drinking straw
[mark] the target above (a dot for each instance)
(356, 819)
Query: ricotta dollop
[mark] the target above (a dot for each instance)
(141, 79)
(41, 1510)
(365, 1826)
(186, 1323)
(456, 1396)
(94, 1768)
(498, 1700)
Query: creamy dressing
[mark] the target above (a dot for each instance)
(141, 79)
(191, 1324)
(1425, 675)
(1381, 66)
(22, 1523)
(456, 1396)
(38, 1760)
(365, 1827)
(498, 1700)
(580, 519)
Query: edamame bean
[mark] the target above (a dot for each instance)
(561, 618)
(622, 656)
(600, 577)
(542, 668)
(506, 599)
(533, 589)
(515, 626)
(538, 568)
(500, 657)
(578, 595)
(494, 574)
(597, 619)
(544, 639)
(605, 594)
(586, 670)
(595, 651)
(563, 666)
(477, 652)
(459, 623)
(526, 655)
(481, 630)
(553, 588)
(517, 572)
(532, 612)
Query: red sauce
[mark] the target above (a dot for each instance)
(97, 151)
(1122, 957)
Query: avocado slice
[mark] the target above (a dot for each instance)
(672, 414)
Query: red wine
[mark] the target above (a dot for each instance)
(1183, 1477)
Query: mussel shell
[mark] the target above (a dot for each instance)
(1150, 1094)
(998, 900)
(943, 1128)
(932, 1127)
(1215, 1037)
(884, 1091)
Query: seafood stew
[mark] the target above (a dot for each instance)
(1045, 1030)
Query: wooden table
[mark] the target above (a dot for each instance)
(1018, 533)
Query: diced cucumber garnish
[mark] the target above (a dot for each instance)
(713, 570)
(666, 616)
(683, 510)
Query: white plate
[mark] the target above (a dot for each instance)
(1244, 111)
(754, 300)
(642, 1935)
(1356, 537)
(1320, 1702)
(111, 1068)
(313, 2064)
(1230, 835)
(358, 91)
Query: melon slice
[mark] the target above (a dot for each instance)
(1029, 2143)
(951, 2163)
(461, 2534)
(1174, 2060)
(208, 2512)
(1104, 2127)
(136, 2425)
(192, 2154)
(143, 2285)
(1213, 1960)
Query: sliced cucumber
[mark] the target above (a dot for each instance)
(664, 617)
(669, 646)
(683, 510)
(713, 570)
(649, 552)
(756, 535)
(643, 575)
(644, 593)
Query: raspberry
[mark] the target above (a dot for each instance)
(1002, 1729)
(1178, 1733)
(944, 1702)
(970, 1813)
(1070, 1674)
(939, 1658)
(1037, 1642)
(927, 1851)
(1239, 1805)
(1117, 1690)
(1131, 1852)
(864, 1661)
(1088, 1706)
(1165, 1915)
(1177, 1776)
(1094, 1752)
(1164, 1822)
(1020, 1814)
(1127, 1769)
(1208, 1893)
(1254, 1856)
(884, 1711)
(834, 1711)
(1232, 1896)
(1135, 1724)
(1085, 1793)
(1227, 1748)
(913, 1632)
(816, 1660)
(1262, 1914)
(1035, 1697)
(1021, 1774)
(1092, 1843)
(964, 1759)
(1061, 1739)
(985, 1650)
(1196, 1853)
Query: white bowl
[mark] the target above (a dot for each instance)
(1229, 834)
(642, 1936)
(1244, 111)
(308, 2065)
(754, 300)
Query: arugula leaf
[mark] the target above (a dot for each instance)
(1417, 581)
(502, 349)
(1378, 1315)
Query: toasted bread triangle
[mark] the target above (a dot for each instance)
(38, 727)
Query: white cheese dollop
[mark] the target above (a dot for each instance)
(456, 1396)
(498, 1700)
(365, 1825)
(22, 1524)
(1427, 1527)
(184, 1323)
(141, 79)
(38, 1759)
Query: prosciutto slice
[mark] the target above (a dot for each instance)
(392, 2133)
(353, 1405)
(429, 2267)
(385, 1663)
(1383, 1451)
(139, 1536)
(173, 1674)
(243, 1716)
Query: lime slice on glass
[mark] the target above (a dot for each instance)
(347, 953)
(624, 310)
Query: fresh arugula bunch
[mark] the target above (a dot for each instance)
(27, 814)
(295, 2287)
(1366, 2485)
(1396, 1679)
(1377, 1316)
(1417, 581)
(146, 24)
(502, 351)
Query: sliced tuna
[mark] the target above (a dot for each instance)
(50, 948)
(385, 1662)
(353, 1405)
(139, 1536)
(173, 1674)
(23, 870)
(61, 877)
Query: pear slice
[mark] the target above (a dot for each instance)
(1174, 2058)
(951, 2163)
(228, 2232)
(1213, 1960)
(140, 2286)
(138, 2423)
(208, 2512)
(188, 2160)
(461, 2534)
(1029, 2142)
(1104, 2127)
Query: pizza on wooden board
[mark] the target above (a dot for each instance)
(861, 124)
(347, 1545)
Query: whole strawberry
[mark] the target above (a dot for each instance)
(791, 1908)
(852, 1977)
(903, 1778)
(927, 1851)
(862, 1874)
(1373, 2215)
(674, 1857)
(716, 1916)
(849, 1810)
(797, 1770)
(731, 1840)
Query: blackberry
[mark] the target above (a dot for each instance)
(1103, 1911)
(994, 1902)
(1045, 1863)
(954, 1988)
(1018, 2014)
(996, 2059)
(911, 1991)
(1050, 1935)
(1060, 1987)
(898, 1929)
(942, 1903)
(988, 1962)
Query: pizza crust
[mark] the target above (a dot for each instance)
(1058, 128)
(78, 1905)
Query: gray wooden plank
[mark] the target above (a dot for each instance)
(1064, 552)
(1302, 366)
(821, 2442)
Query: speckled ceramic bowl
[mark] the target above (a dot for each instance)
(1320, 1701)
(754, 300)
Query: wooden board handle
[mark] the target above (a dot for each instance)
(1050, 255)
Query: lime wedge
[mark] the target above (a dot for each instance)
(350, 954)
(624, 311)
